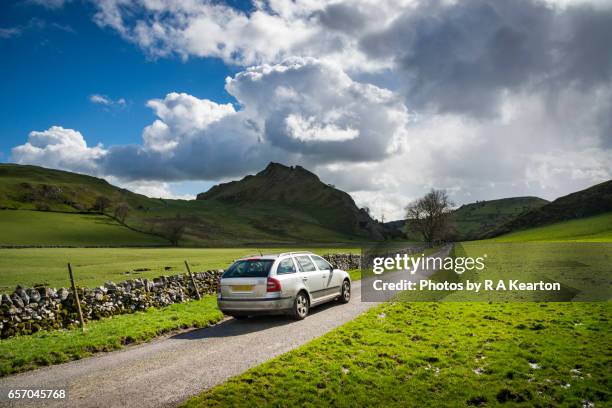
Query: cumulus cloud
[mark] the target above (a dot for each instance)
(385, 99)
(307, 130)
(315, 110)
(526, 153)
(181, 116)
(268, 32)
(301, 110)
(61, 148)
(464, 57)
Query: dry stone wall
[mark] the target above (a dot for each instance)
(28, 310)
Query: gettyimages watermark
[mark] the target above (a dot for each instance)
(415, 262)
(464, 272)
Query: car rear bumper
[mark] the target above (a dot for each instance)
(255, 306)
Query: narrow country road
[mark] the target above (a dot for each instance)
(167, 371)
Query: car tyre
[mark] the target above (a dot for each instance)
(301, 304)
(240, 317)
(345, 295)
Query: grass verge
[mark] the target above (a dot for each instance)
(45, 348)
(440, 354)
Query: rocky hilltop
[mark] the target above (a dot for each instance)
(301, 189)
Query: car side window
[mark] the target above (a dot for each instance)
(321, 263)
(305, 264)
(285, 266)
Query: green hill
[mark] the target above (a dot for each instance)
(472, 221)
(585, 203)
(476, 219)
(220, 217)
(597, 228)
(300, 190)
(26, 227)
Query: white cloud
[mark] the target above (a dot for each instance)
(152, 189)
(181, 116)
(106, 101)
(307, 130)
(531, 151)
(60, 148)
(315, 111)
(385, 99)
(301, 110)
(270, 32)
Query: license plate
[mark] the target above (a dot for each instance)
(242, 288)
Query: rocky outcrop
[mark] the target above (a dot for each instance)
(301, 190)
(28, 310)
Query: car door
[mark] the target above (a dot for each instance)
(288, 275)
(331, 280)
(311, 276)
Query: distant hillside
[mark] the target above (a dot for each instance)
(591, 201)
(37, 188)
(298, 188)
(237, 215)
(45, 228)
(479, 218)
(597, 228)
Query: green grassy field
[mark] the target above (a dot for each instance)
(94, 266)
(45, 348)
(597, 228)
(582, 268)
(20, 227)
(440, 354)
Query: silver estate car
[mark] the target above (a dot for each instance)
(288, 283)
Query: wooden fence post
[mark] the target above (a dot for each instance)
(76, 298)
(193, 281)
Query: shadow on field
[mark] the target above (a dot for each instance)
(232, 327)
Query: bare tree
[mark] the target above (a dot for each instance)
(121, 211)
(173, 230)
(431, 216)
(101, 203)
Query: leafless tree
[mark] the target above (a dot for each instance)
(431, 216)
(121, 211)
(173, 230)
(101, 203)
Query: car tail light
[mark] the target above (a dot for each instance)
(273, 285)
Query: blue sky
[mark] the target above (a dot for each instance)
(386, 99)
(62, 57)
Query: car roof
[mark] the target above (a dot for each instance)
(273, 256)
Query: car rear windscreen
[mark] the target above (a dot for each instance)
(250, 268)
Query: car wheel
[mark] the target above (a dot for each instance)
(345, 296)
(300, 306)
(240, 317)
